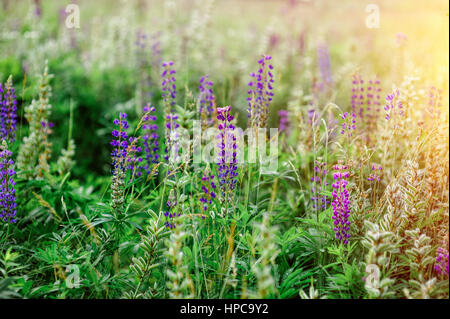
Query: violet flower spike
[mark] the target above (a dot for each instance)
(341, 203)
(8, 205)
(227, 148)
(260, 93)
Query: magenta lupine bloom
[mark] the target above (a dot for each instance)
(8, 112)
(348, 124)
(120, 144)
(373, 94)
(323, 57)
(169, 88)
(376, 173)
(441, 265)
(260, 93)
(208, 191)
(357, 101)
(341, 203)
(8, 205)
(171, 213)
(134, 160)
(318, 184)
(284, 121)
(227, 159)
(169, 93)
(394, 107)
(150, 139)
(206, 100)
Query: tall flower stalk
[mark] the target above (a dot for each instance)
(206, 101)
(125, 157)
(341, 203)
(208, 191)
(172, 211)
(8, 111)
(169, 94)
(357, 97)
(8, 206)
(227, 158)
(150, 139)
(260, 93)
(318, 184)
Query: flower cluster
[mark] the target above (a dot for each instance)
(260, 93)
(319, 182)
(171, 211)
(124, 157)
(394, 107)
(227, 151)
(341, 203)
(169, 93)
(284, 120)
(169, 88)
(8, 206)
(150, 139)
(442, 263)
(348, 124)
(206, 100)
(375, 175)
(208, 188)
(120, 144)
(324, 65)
(373, 103)
(357, 98)
(8, 111)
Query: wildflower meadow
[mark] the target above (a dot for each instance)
(212, 149)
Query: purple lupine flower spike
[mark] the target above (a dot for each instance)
(348, 125)
(341, 203)
(206, 100)
(208, 191)
(150, 139)
(171, 213)
(318, 183)
(8, 205)
(394, 107)
(125, 153)
(227, 158)
(169, 94)
(8, 111)
(260, 93)
(357, 100)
